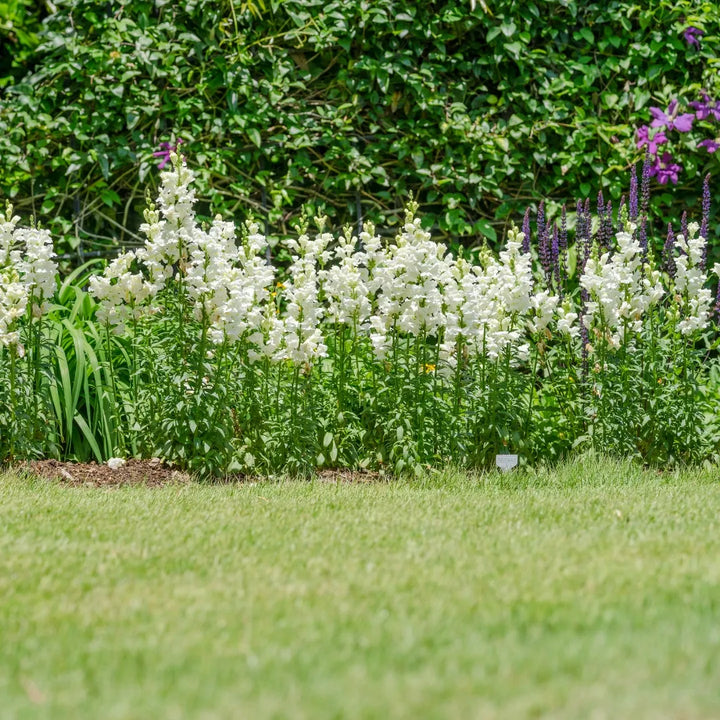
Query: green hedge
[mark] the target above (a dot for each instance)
(346, 105)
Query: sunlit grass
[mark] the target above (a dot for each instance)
(590, 591)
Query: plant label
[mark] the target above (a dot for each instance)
(506, 462)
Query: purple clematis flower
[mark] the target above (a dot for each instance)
(692, 35)
(644, 138)
(665, 169)
(710, 145)
(670, 118)
(706, 108)
(166, 149)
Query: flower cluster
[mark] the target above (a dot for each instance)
(226, 285)
(370, 351)
(410, 288)
(28, 275)
(655, 138)
(620, 289)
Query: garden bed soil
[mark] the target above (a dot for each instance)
(154, 473)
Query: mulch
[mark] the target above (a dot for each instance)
(154, 473)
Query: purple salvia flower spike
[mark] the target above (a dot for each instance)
(540, 223)
(704, 226)
(544, 249)
(563, 243)
(633, 202)
(526, 232)
(644, 203)
(608, 231)
(587, 228)
(555, 254)
(705, 223)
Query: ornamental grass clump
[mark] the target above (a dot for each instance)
(368, 353)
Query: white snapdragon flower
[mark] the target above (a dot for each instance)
(410, 281)
(13, 304)
(36, 263)
(28, 275)
(567, 320)
(693, 299)
(620, 289)
(345, 284)
(303, 342)
(498, 300)
(121, 293)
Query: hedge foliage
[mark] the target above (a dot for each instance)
(346, 105)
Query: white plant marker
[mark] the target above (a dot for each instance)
(506, 462)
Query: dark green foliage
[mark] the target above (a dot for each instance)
(19, 25)
(340, 104)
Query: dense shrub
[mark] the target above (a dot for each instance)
(345, 104)
(19, 24)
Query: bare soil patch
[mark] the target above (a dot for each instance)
(152, 473)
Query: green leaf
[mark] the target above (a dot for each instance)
(255, 137)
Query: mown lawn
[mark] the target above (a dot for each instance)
(589, 592)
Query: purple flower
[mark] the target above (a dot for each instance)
(563, 243)
(665, 169)
(710, 145)
(526, 232)
(633, 202)
(706, 108)
(670, 118)
(692, 35)
(580, 241)
(587, 225)
(644, 202)
(608, 224)
(705, 224)
(643, 135)
(705, 207)
(555, 255)
(544, 244)
(166, 149)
